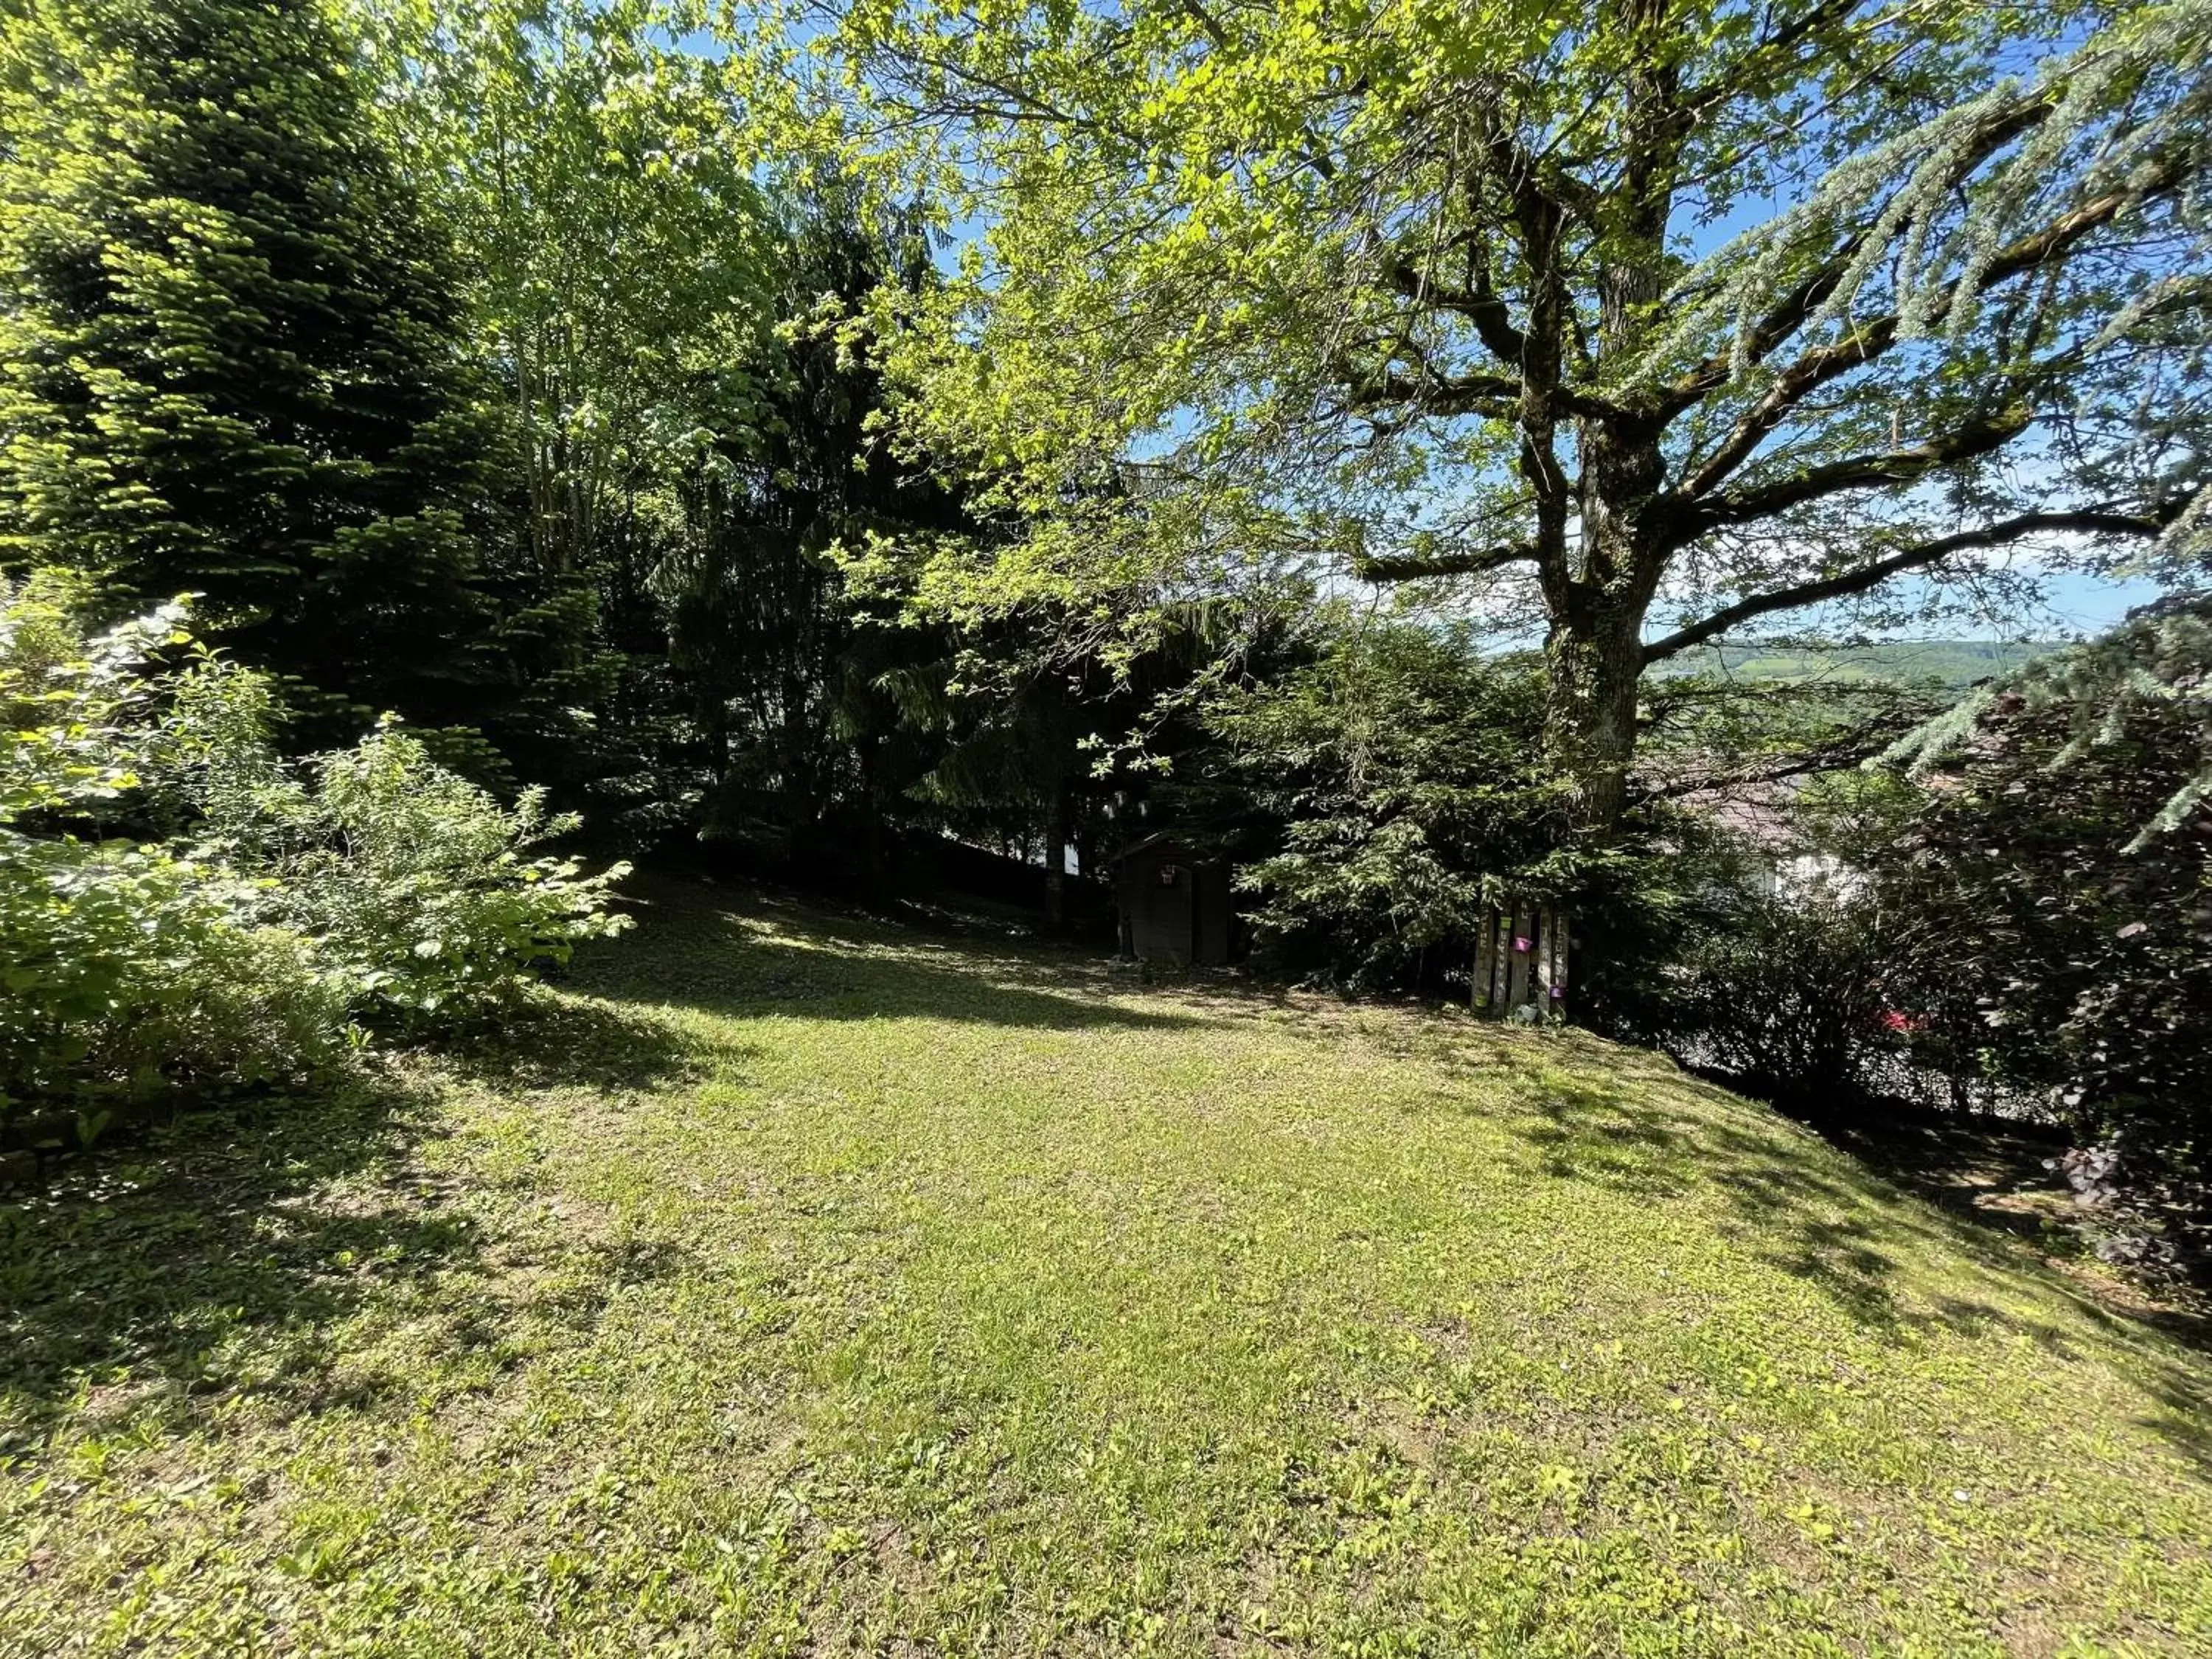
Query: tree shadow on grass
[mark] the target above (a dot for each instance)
(214, 1254)
(552, 1039)
(1841, 1230)
(2185, 1418)
(693, 949)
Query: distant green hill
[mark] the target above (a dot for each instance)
(1953, 662)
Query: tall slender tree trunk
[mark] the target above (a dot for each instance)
(1058, 834)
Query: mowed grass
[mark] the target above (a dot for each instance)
(797, 1286)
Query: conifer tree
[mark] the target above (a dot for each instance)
(230, 355)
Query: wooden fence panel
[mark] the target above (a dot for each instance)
(1516, 988)
(1521, 953)
(1546, 941)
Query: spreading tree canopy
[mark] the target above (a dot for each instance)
(618, 249)
(230, 356)
(1655, 317)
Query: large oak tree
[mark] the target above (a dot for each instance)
(1665, 315)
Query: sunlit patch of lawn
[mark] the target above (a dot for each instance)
(794, 1285)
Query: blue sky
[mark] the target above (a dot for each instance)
(2089, 605)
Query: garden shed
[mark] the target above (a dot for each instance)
(1172, 897)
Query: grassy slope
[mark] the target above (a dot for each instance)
(820, 1290)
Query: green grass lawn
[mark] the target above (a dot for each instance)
(803, 1287)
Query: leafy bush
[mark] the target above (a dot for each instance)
(1787, 994)
(127, 966)
(2029, 926)
(275, 906)
(414, 878)
(2060, 864)
(72, 730)
(128, 970)
(1401, 779)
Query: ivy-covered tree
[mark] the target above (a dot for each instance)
(230, 355)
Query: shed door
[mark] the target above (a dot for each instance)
(1162, 912)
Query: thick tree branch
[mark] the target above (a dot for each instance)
(1491, 319)
(1538, 221)
(1802, 302)
(1803, 377)
(1535, 183)
(1413, 567)
(1844, 748)
(1786, 316)
(1918, 556)
(1774, 53)
(1431, 392)
(1818, 368)
(1492, 395)
(1889, 466)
